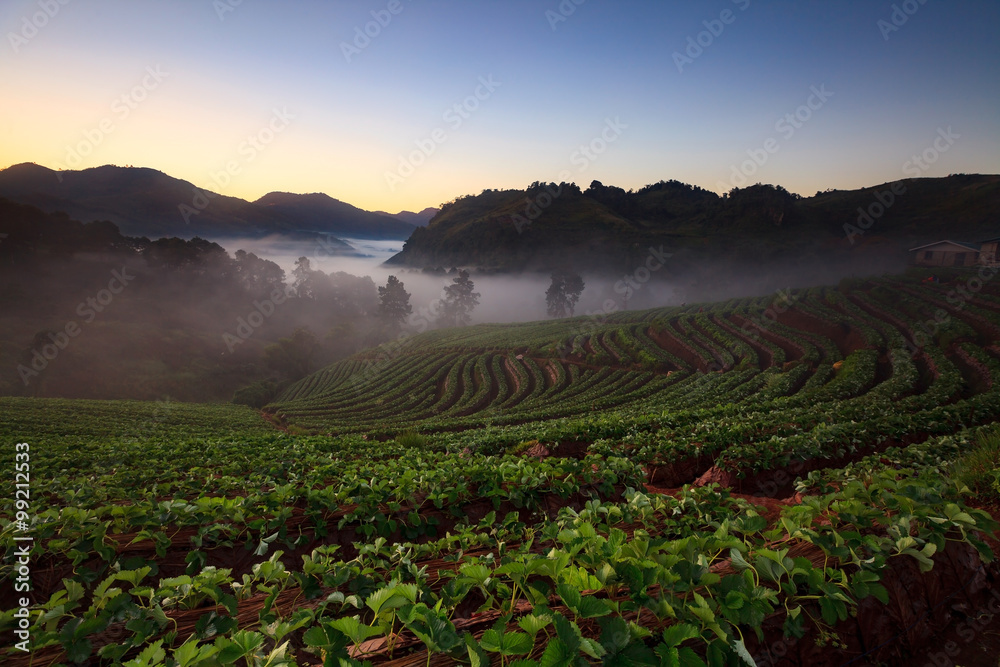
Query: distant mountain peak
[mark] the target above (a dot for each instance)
(416, 219)
(147, 202)
(281, 197)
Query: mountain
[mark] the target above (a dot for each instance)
(605, 227)
(147, 202)
(320, 211)
(142, 202)
(416, 219)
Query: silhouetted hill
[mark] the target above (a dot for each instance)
(416, 219)
(142, 202)
(320, 211)
(608, 228)
(146, 202)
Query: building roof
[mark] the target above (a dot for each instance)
(974, 247)
(996, 238)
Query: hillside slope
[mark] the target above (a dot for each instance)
(607, 227)
(807, 347)
(318, 211)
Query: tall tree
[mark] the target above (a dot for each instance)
(563, 294)
(304, 282)
(258, 276)
(394, 303)
(460, 298)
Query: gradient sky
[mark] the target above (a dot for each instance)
(558, 86)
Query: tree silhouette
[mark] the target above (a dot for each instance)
(563, 294)
(304, 279)
(394, 303)
(459, 301)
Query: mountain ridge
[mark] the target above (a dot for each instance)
(417, 219)
(147, 202)
(550, 225)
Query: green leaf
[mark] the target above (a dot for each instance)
(569, 594)
(135, 576)
(535, 623)
(277, 658)
(355, 630)
(669, 656)
(591, 607)
(829, 610)
(739, 563)
(523, 663)
(556, 654)
(265, 544)
(78, 650)
(568, 632)
(74, 590)
(880, 593)
(491, 640)
(477, 572)
(689, 658)
(326, 637)
(516, 643)
(591, 648)
(635, 654)
(190, 653)
(477, 656)
(393, 596)
(675, 635)
(151, 655)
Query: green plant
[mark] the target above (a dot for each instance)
(979, 469)
(412, 439)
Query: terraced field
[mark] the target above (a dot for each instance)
(773, 481)
(743, 386)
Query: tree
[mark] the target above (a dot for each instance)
(304, 277)
(394, 303)
(293, 356)
(459, 300)
(258, 276)
(564, 293)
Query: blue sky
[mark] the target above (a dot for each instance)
(362, 127)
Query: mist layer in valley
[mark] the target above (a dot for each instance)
(90, 313)
(662, 278)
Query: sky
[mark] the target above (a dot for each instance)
(404, 104)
